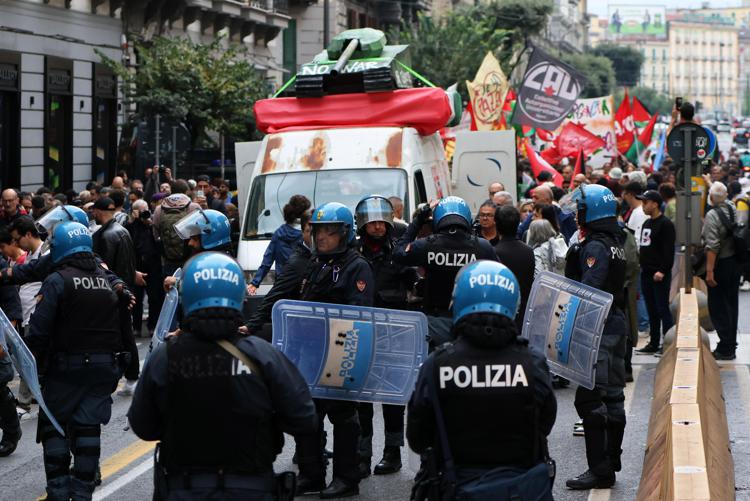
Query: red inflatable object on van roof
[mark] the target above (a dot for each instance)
(426, 109)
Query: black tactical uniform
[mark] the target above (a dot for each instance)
(441, 255)
(599, 261)
(247, 413)
(495, 395)
(78, 332)
(344, 278)
(11, 305)
(392, 281)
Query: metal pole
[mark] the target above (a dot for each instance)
(174, 151)
(158, 137)
(326, 22)
(688, 161)
(221, 138)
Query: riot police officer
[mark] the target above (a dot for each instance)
(11, 305)
(598, 260)
(451, 246)
(244, 391)
(78, 334)
(374, 216)
(485, 400)
(338, 275)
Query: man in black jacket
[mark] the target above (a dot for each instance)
(657, 258)
(11, 305)
(515, 254)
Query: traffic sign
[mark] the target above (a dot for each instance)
(699, 139)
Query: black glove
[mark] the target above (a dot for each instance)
(424, 214)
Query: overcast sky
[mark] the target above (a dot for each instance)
(599, 7)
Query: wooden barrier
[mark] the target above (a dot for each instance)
(687, 451)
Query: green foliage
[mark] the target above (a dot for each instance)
(626, 61)
(207, 87)
(450, 49)
(654, 101)
(598, 71)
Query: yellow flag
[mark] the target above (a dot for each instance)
(487, 93)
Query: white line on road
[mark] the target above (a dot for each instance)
(124, 480)
(605, 494)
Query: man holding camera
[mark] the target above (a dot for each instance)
(148, 261)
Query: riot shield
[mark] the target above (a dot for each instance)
(25, 364)
(564, 320)
(166, 316)
(352, 352)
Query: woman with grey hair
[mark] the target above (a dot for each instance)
(549, 247)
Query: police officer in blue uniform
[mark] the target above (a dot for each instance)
(78, 333)
(485, 400)
(11, 305)
(245, 391)
(338, 275)
(598, 260)
(374, 217)
(451, 246)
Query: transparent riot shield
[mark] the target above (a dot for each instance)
(352, 352)
(25, 364)
(564, 320)
(166, 315)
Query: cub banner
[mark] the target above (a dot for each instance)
(564, 320)
(548, 92)
(487, 94)
(352, 353)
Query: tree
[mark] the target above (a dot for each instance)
(654, 101)
(626, 61)
(450, 49)
(207, 87)
(598, 72)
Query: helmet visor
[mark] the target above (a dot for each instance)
(328, 238)
(51, 218)
(192, 225)
(374, 209)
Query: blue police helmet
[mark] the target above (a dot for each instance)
(211, 280)
(594, 202)
(333, 213)
(59, 214)
(485, 287)
(67, 238)
(211, 225)
(451, 211)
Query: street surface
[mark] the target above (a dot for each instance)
(127, 462)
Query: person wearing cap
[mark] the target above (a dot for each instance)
(113, 244)
(657, 249)
(634, 219)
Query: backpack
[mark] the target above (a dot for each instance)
(739, 234)
(174, 249)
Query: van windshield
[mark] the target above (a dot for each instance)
(270, 192)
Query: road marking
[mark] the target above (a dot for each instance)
(124, 480)
(605, 494)
(124, 457)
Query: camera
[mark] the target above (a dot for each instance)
(146, 214)
(162, 169)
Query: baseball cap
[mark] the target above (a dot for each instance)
(615, 173)
(652, 195)
(105, 203)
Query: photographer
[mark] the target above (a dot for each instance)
(148, 260)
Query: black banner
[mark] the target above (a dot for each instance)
(548, 92)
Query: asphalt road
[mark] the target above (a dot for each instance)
(127, 461)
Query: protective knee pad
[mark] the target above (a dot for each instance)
(86, 448)
(56, 453)
(588, 403)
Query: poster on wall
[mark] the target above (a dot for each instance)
(642, 20)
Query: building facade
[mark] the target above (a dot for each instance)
(60, 113)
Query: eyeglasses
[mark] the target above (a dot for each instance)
(486, 216)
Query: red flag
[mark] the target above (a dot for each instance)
(539, 165)
(645, 136)
(551, 155)
(573, 137)
(545, 135)
(640, 112)
(473, 125)
(624, 126)
(580, 161)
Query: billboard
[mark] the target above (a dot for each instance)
(637, 20)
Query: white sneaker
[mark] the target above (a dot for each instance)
(128, 389)
(644, 334)
(745, 286)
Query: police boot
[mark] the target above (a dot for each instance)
(9, 443)
(10, 423)
(391, 462)
(364, 467)
(615, 435)
(600, 474)
(338, 488)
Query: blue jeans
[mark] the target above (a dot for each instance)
(643, 322)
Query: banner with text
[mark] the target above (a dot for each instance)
(596, 116)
